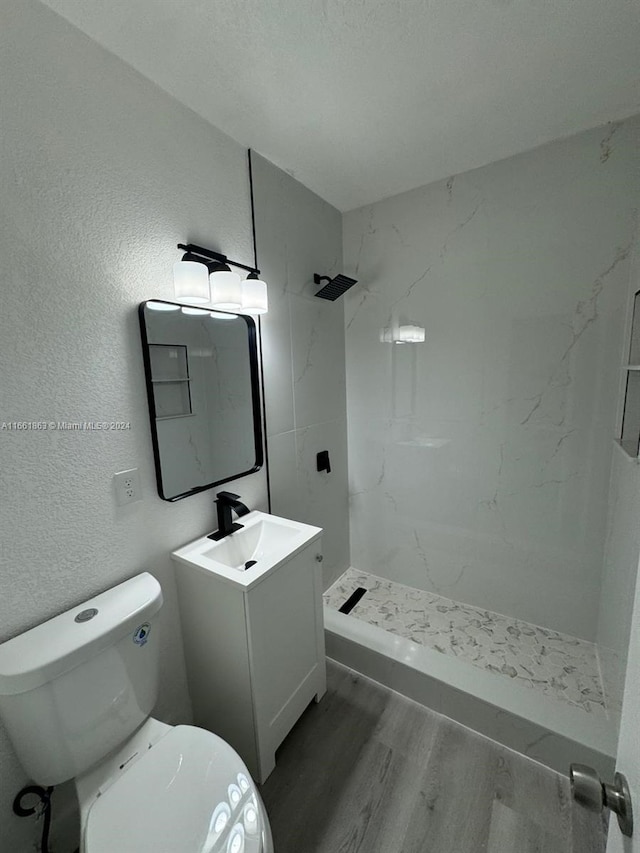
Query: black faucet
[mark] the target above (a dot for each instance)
(226, 503)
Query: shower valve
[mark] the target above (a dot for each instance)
(595, 795)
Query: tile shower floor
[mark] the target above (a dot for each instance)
(558, 665)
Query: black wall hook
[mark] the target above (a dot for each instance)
(322, 461)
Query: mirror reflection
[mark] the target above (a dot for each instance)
(204, 402)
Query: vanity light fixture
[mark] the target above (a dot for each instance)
(411, 335)
(403, 335)
(193, 310)
(191, 280)
(226, 287)
(254, 294)
(223, 289)
(162, 306)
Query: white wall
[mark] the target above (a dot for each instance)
(297, 235)
(628, 762)
(622, 549)
(479, 460)
(101, 175)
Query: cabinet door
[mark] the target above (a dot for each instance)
(284, 622)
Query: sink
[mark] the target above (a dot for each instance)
(255, 542)
(246, 556)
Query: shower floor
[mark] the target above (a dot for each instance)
(554, 664)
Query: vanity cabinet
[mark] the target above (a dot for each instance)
(254, 653)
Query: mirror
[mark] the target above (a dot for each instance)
(201, 368)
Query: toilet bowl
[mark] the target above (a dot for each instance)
(172, 789)
(188, 791)
(76, 694)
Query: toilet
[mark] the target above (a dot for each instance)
(76, 695)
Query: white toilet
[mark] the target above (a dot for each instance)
(76, 694)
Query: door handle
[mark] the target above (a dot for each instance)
(595, 795)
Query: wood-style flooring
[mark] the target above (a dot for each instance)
(369, 771)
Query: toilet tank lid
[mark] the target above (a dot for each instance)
(54, 647)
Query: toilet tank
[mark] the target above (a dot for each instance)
(74, 688)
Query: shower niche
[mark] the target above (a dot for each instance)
(630, 430)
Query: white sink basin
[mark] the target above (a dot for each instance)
(255, 542)
(265, 542)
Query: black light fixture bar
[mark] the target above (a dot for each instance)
(217, 257)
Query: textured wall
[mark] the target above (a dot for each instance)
(622, 548)
(101, 175)
(297, 235)
(479, 460)
(361, 98)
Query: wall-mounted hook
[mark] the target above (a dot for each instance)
(322, 461)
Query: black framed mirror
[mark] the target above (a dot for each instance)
(203, 389)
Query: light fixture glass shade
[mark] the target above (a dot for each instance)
(254, 295)
(410, 335)
(195, 311)
(226, 289)
(191, 282)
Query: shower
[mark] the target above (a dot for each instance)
(335, 286)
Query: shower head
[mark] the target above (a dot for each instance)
(335, 287)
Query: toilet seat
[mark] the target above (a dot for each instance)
(189, 793)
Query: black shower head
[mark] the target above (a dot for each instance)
(335, 287)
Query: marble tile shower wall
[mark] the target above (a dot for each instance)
(480, 459)
(297, 235)
(622, 547)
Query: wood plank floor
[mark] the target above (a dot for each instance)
(368, 771)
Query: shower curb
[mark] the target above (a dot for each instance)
(535, 726)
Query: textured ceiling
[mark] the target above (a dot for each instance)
(362, 99)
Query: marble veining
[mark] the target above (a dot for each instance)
(555, 664)
(496, 430)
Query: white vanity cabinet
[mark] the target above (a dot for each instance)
(254, 644)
